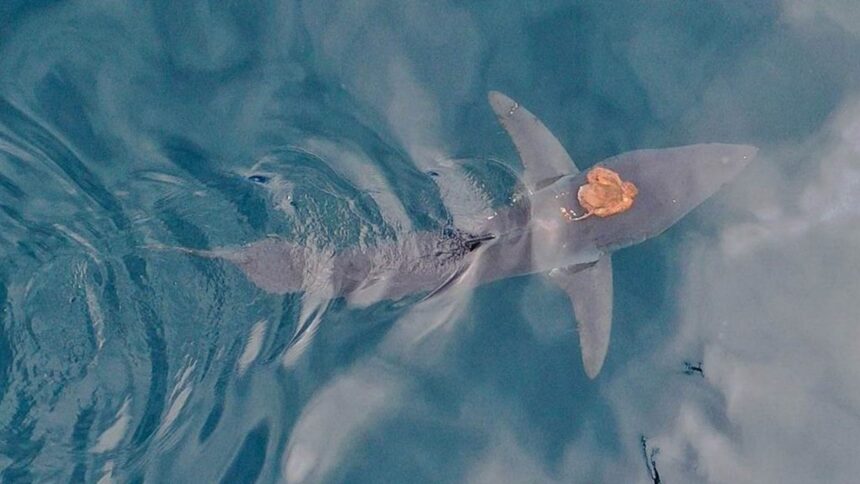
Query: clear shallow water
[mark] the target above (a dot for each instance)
(124, 126)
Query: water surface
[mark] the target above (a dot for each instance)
(126, 125)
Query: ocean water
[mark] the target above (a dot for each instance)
(130, 127)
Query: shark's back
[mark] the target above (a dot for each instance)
(418, 262)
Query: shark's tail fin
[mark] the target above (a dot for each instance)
(275, 265)
(207, 254)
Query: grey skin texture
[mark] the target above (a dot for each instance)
(540, 238)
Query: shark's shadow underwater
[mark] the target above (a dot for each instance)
(553, 236)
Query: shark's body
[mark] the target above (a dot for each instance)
(540, 238)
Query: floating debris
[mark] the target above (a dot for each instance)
(651, 460)
(692, 369)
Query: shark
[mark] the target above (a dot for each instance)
(549, 235)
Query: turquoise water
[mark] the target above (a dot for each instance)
(129, 126)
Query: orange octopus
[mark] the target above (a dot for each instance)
(605, 194)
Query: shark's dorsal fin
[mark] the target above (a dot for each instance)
(544, 158)
(468, 204)
(590, 293)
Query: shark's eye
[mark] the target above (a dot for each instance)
(261, 179)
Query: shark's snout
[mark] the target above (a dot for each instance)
(734, 158)
(709, 167)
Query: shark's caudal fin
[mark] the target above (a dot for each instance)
(590, 293)
(590, 290)
(544, 158)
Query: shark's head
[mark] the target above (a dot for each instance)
(670, 182)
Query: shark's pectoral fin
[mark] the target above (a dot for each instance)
(544, 158)
(590, 293)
